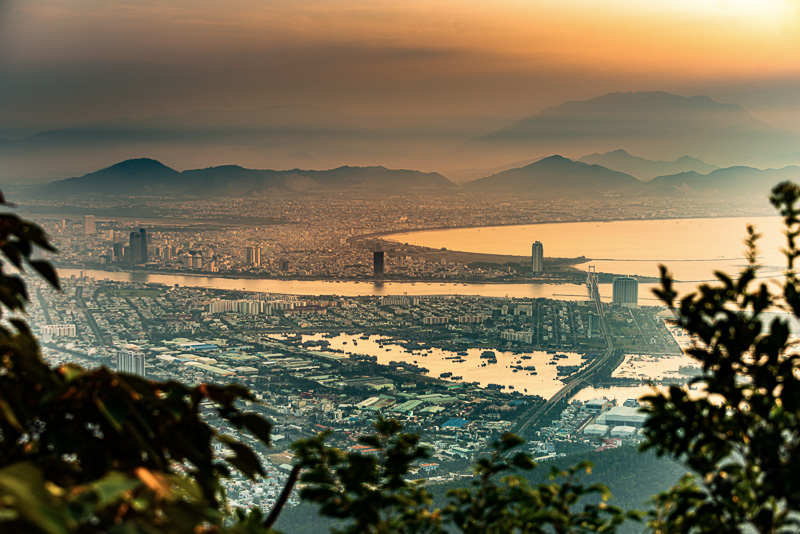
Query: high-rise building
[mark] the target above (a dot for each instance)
(377, 263)
(625, 292)
(537, 257)
(135, 249)
(253, 255)
(594, 324)
(130, 362)
(145, 256)
(88, 225)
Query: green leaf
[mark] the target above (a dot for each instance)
(258, 426)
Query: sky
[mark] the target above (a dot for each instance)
(65, 62)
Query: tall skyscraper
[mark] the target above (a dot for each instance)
(145, 257)
(377, 263)
(88, 225)
(594, 324)
(537, 257)
(131, 362)
(135, 249)
(625, 292)
(253, 255)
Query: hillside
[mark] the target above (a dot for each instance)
(146, 176)
(556, 175)
(647, 169)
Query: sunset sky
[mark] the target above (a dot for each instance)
(70, 61)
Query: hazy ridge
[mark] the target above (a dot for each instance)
(656, 126)
(553, 176)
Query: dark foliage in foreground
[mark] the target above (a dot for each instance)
(99, 451)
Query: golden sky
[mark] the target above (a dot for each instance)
(66, 61)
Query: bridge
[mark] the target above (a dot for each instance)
(578, 380)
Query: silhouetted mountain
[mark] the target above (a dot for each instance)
(278, 136)
(732, 181)
(647, 169)
(133, 176)
(656, 124)
(556, 175)
(147, 176)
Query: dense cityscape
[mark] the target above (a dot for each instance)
(370, 267)
(419, 360)
(324, 238)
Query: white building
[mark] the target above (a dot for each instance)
(623, 416)
(623, 432)
(595, 430)
(131, 362)
(54, 331)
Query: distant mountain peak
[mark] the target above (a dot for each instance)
(656, 123)
(555, 158)
(646, 169)
(139, 163)
(556, 175)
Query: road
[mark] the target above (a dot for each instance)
(89, 317)
(579, 380)
(43, 306)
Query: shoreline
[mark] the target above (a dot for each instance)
(372, 281)
(472, 227)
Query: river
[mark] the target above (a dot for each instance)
(691, 248)
(473, 368)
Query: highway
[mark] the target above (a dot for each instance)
(580, 378)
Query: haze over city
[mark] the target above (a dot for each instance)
(405, 85)
(465, 217)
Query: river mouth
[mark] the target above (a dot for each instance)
(691, 248)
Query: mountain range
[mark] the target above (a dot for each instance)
(647, 169)
(551, 177)
(651, 123)
(655, 125)
(146, 176)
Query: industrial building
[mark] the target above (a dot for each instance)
(622, 416)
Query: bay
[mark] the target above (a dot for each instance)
(692, 249)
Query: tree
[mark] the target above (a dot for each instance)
(99, 451)
(372, 494)
(741, 438)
